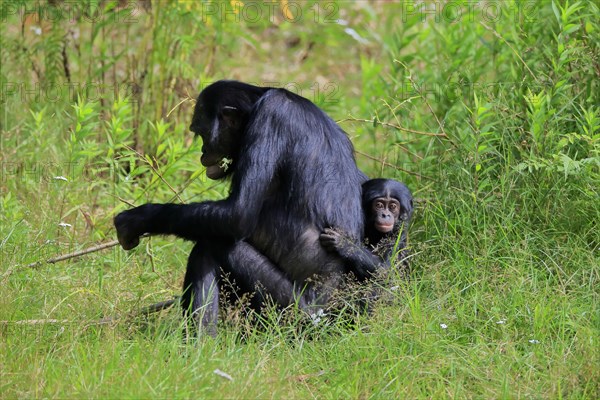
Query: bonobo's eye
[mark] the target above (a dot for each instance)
(378, 205)
(393, 206)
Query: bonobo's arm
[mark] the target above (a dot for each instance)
(234, 217)
(190, 221)
(361, 260)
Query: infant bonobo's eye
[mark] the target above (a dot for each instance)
(393, 207)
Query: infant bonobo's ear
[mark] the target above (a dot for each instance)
(406, 202)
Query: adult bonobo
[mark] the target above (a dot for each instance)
(293, 173)
(388, 208)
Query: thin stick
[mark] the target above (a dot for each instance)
(387, 164)
(495, 33)
(153, 308)
(163, 305)
(390, 125)
(92, 249)
(36, 321)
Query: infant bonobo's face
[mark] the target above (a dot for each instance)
(386, 211)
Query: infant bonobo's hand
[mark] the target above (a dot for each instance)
(331, 239)
(130, 226)
(358, 259)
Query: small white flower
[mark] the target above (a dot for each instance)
(61, 178)
(36, 29)
(316, 317)
(65, 225)
(320, 313)
(501, 322)
(534, 341)
(443, 326)
(394, 288)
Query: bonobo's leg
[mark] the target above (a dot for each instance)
(256, 274)
(200, 298)
(251, 270)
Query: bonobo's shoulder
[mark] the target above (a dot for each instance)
(283, 98)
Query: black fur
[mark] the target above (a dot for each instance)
(366, 260)
(290, 160)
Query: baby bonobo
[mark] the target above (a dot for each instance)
(387, 206)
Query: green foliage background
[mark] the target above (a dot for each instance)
(488, 110)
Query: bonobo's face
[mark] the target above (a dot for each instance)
(220, 118)
(219, 132)
(388, 204)
(385, 212)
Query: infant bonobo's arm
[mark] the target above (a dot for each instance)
(361, 261)
(388, 207)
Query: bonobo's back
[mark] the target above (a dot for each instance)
(317, 169)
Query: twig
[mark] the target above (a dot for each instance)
(387, 164)
(180, 103)
(414, 84)
(153, 308)
(156, 171)
(390, 125)
(163, 305)
(75, 254)
(92, 249)
(512, 48)
(130, 204)
(36, 321)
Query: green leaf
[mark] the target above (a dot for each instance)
(570, 28)
(556, 11)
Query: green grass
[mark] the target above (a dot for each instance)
(504, 295)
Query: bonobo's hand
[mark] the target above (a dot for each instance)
(131, 224)
(331, 240)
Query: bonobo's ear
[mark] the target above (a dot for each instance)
(232, 116)
(406, 203)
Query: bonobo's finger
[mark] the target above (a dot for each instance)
(326, 238)
(365, 270)
(128, 244)
(330, 233)
(328, 241)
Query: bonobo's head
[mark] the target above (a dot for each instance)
(387, 205)
(220, 118)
